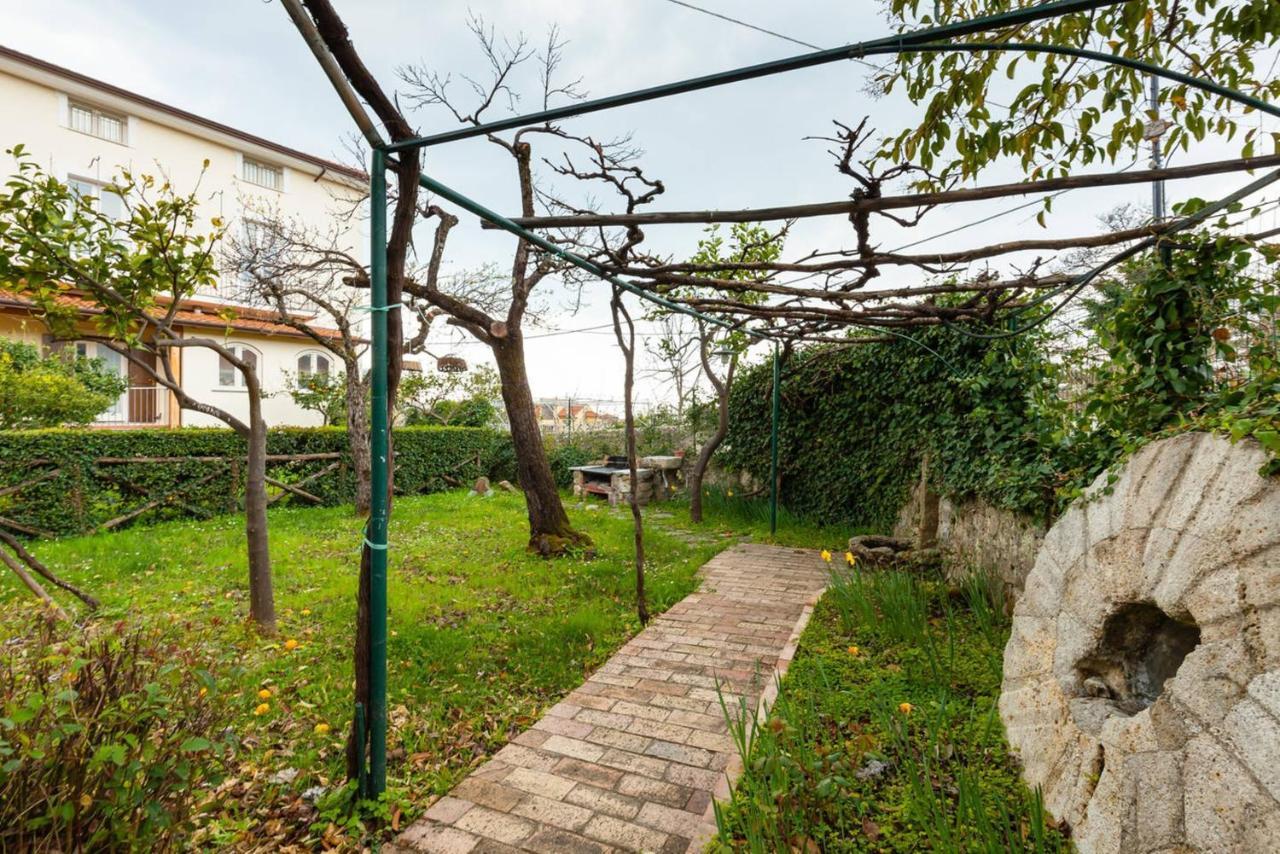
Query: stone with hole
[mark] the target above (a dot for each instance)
(1142, 676)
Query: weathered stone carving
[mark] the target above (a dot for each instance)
(1142, 679)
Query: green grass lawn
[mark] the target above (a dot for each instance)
(483, 637)
(886, 736)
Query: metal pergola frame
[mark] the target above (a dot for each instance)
(373, 778)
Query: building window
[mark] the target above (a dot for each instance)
(263, 174)
(96, 122)
(110, 204)
(229, 375)
(313, 365)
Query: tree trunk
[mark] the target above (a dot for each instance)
(709, 448)
(262, 609)
(628, 347)
(358, 438)
(549, 530)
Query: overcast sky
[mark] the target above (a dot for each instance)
(241, 62)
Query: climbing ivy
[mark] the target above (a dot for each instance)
(1174, 341)
(856, 421)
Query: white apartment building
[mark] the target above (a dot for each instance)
(84, 131)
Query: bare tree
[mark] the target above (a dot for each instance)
(627, 344)
(675, 351)
(301, 272)
(502, 331)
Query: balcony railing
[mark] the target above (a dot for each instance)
(139, 406)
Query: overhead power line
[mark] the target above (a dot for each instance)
(750, 26)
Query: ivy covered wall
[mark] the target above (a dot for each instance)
(856, 420)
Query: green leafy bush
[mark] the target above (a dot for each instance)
(46, 391)
(109, 740)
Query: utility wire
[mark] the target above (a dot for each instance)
(802, 43)
(752, 27)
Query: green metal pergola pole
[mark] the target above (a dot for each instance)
(773, 442)
(376, 536)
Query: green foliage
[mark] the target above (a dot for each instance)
(1190, 343)
(843, 765)
(1068, 112)
(462, 399)
(855, 421)
(52, 238)
(1165, 348)
(324, 393)
(40, 391)
(109, 738)
(84, 493)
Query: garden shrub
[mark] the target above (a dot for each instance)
(85, 494)
(109, 739)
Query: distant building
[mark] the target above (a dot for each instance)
(84, 131)
(564, 416)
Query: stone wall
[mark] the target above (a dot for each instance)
(980, 536)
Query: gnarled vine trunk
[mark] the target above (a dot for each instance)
(358, 438)
(549, 530)
(709, 448)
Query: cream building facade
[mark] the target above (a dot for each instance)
(84, 131)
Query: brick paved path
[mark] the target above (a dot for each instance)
(631, 760)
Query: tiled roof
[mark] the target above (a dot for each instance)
(199, 313)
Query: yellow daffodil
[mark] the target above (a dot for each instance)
(264, 694)
(848, 558)
(291, 644)
(826, 555)
(322, 729)
(262, 709)
(853, 650)
(905, 708)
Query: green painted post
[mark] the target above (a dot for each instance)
(773, 444)
(378, 444)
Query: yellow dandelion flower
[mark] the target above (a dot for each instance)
(306, 612)
(826, 555)
(262, 709)
(853, 650)
(730, 493)
(291, 644)
(905, 708)
(322, 729)
(204, 691)
(264, 694)
(848, 558)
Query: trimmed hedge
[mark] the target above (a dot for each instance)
(86, 493)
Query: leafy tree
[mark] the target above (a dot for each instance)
(323, 393)
(49, 391)
(458, 399)
(1071, 111)
(137, 271)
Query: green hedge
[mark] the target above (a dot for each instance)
(855, 422)
(87, 493)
